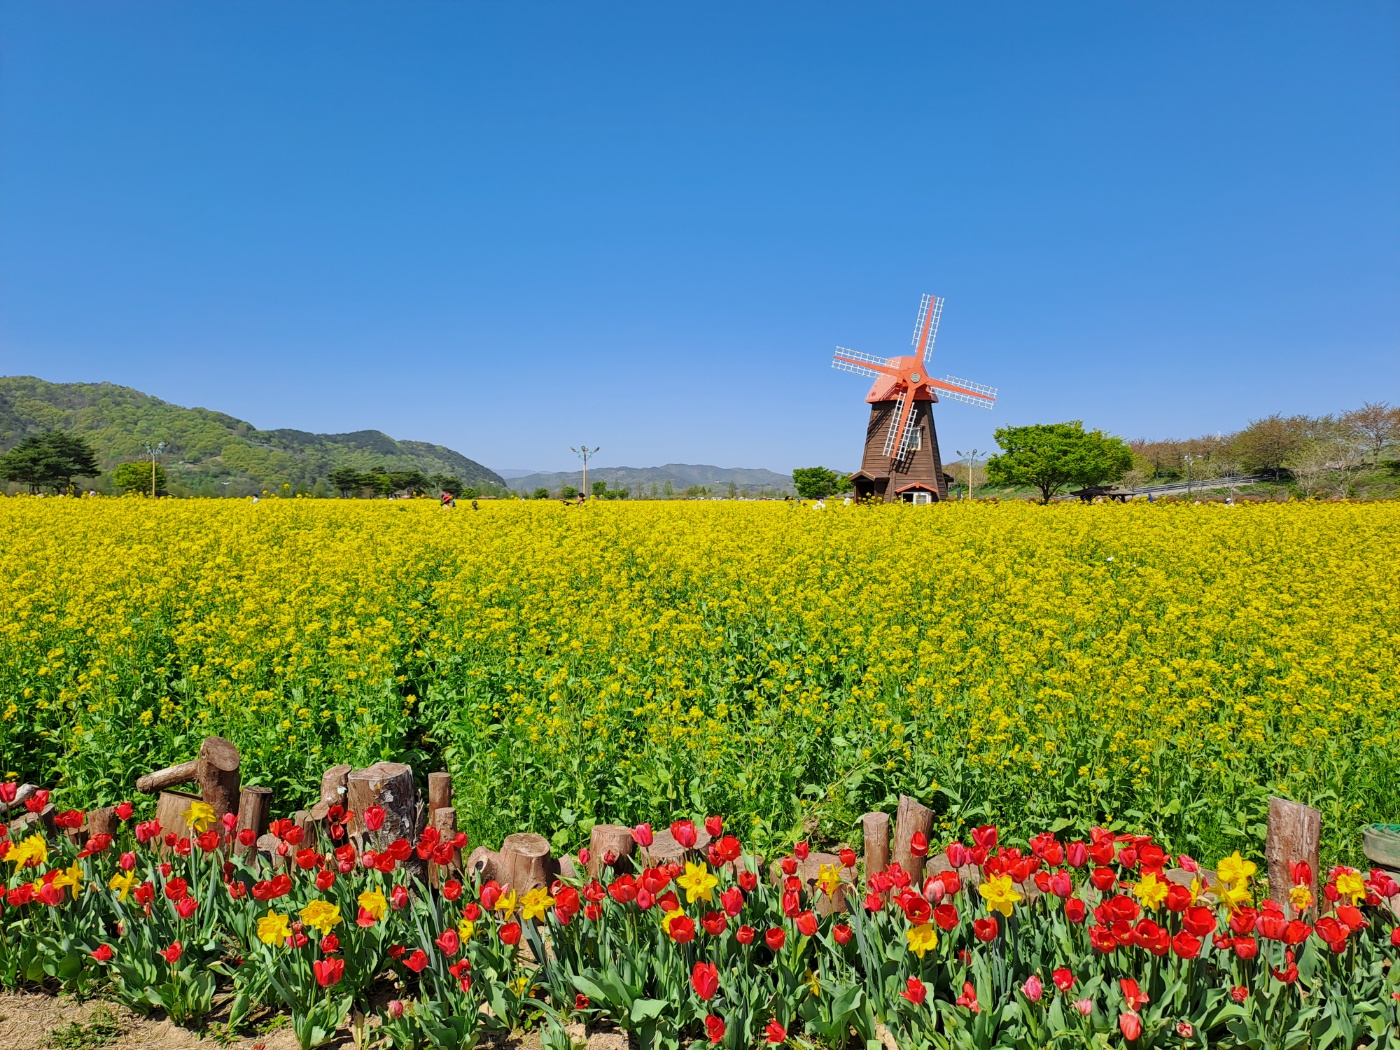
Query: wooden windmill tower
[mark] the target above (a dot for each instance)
(901, 460)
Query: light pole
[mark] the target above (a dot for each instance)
(971, 458)
(1189, 459)
(583, 452)
(154, 451)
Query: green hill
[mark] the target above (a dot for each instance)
(209, 453)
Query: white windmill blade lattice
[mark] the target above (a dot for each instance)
(930, 312)
(989, 393)
(892, 436)
(906, 440)
(848, 366)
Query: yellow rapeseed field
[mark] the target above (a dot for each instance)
(1165, 667)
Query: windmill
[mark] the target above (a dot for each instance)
(901, 460)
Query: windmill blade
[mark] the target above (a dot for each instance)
(847, 361)
(907, 437)
(926, 326)
(896, 432)
(966, 391)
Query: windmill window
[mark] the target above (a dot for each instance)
(916, 438)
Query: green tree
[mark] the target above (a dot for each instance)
(816, 482)
(600, 489)
(348, 480)
(540, 493)
(136, 477)
(1049, 456)
(1266, 445)
(448, 483)
(53, 458)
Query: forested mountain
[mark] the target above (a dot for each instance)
(210, 453)
(666, 480)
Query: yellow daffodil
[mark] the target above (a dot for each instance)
(374, 903)
(1234, 869)
(465, 929)
(698, 883)
(814, 984)
(1196, 887)
(1350, 884)
(999, 893)
(320, 915)
(199, 816)
(1234, 897)
(828, 879)
(923, 937)
(273, 929)
(1301, 898)
(1151, 890)
(122, 882)
(668, 918)
(535, 904)
(70, 878)
(29, 853)
(505, 904)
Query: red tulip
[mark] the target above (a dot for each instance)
(1130, 1025)
(1075, 910)
(985, 929)
(748, 881)
(1185, 945)
(775, 938)
(683, 831)
(714, 1029)
(185, 907)
(1239, 993)
(802, 850)
(1103, 879)
(714, 827)
(946, 917)
(731, 899)
(704, 978)
(642, 835)
(915, 991)
(328, 971)
(1061, 885)
(398, 898)
(806, 924)
(448, 942)
(918, 844)
(173, 953)
(848, 858)
(1133, 995)
(842, 933)
(715, 923)
(745, 934)
(1063, 978)
(374, 818)
(330, 943)
(682, 929)
(176, 889)
(103, 952)
(774, 1032)
(510, 933)
(956, 854)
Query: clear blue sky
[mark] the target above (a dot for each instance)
(514, 227)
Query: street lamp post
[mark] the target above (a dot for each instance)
(1189, 459)
(583, 452)
(154, 451)
(971, 458)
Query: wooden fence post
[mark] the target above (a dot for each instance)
(911, 817)
(875, 831)
(254, 807)
(1295, 834)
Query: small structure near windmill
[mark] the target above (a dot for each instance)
(901, 460)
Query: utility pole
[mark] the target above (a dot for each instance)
(154, 451)
(971, 458)
(1189, 459)
(583, 452)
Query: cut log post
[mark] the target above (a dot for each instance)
(445, 824)
(1295, 834)
(254, 807)
(875, 831)
(910, 817)
(388, 785)
(808, 871)
(333, 791)
(23, 794)
(606, 839)
(215, 770)
(483, 865)
(102, 821)
(526, 862)
(269, 855)
(171, 807)
(303, 819)
(439, 791)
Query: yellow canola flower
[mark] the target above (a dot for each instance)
(505, 904)
(1151, 890)
(274, 929)
(29, 853)
(1234, 869)
(921, 938)
(199, 816)
(320, 915)
(122, 883)
(373, 901)
(999, 893)
(535, 904)
(698, 883)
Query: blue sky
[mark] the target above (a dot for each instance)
(514, 227)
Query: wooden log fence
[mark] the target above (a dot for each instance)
(525, 860)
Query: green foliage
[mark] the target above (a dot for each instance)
(1049, 456)
(205, 449)
(51, 459)
(817, 482)
(540, 493)
(136, 477)
(347, 479)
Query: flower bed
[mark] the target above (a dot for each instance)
(1099, 941)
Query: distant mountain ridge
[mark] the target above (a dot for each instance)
(681, 476)
(211, 453)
